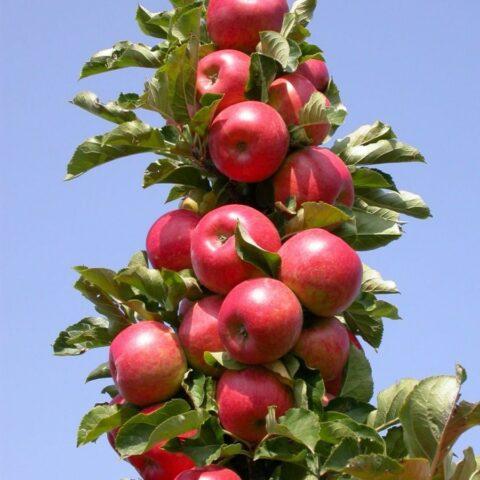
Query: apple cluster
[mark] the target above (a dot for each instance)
(252, 317)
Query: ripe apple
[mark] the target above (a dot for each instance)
(243, 399)
(260, 321)
(248, 141)
(324, 346)
(168, 241)
(334, 387)
(237, 23)
(314, 174)
(211, 472)
(156, 463)
(288, 95)
(214, 257)
(316, 71)
(147, 363)
(198, 332)
(224, 71)
(323, 271)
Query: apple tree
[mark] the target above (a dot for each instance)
(235, 339)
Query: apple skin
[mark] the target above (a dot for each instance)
(224, 72)
(316, 71)
(237, 23)
(168, 241)
(156, 463)
(243, 399)
(260, 321)
(314, 174)
(198, 333)
(211, 472)
(214, 258)
(288, 94)
(147, 363)
(248, 141)
(322, 270)
(324, 346)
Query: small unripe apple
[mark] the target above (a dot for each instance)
(214, 257)
(288, 95)
(198, 332)
(324, 346)
(322, 270)
(210, 472)
(314, 174)
(316, 71)
(260, 321)
(237, 23)
(147, 363)
(243, 399)
(224, 72)
(248, 141)
(168, 241)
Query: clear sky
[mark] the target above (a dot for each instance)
(413, 64)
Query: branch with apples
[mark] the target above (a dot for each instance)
(233, 340)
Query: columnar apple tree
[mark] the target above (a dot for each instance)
(233, 339)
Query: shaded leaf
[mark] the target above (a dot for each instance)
(102, 371)
(358, 383)
(263, 70)
(168, 171)
(223, 359)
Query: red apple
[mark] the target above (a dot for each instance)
(147, 363)
(168, 241)
(288, 95)
(316, 71)
(243, 399)
(314, 174)
(224, 71)
(260, 321)
(324, 346)
(323, 271)
(237, 23)
(248, 141)
(156, 463)
(198, 332)
(211, 472)
(214, 257)
(334, 387)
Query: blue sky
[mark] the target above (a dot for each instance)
(412, 64)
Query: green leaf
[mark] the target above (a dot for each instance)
(250, 252)
(358, 411)
(101, 419)
(389, 403)
(263, 70)
(281, 449)
(468, 468)
(122, 55)
(147, 281)
(111, 111)
(316, 215)
(334, 431)
(337, 111)
(371, 178)
(315, 389)
(395, 444)
(303, 10)
(358, 383)
(94, 152)
(276, 46)
(110, 390)
(128, 101)
(402, 202)
(139, 259)
(298, 424)
(153, 24)
(341, 454)
(185, 23)
(89, 333)
(369, 230)
(372, 282)
(143, 431)
(432, 420)
(168, 171)
(374, 467)
(135, 134)
(102, 371)
(370, 328)
(222, 359)
(203, 117)
(310, 51)
(383, 151)
(200, 389)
